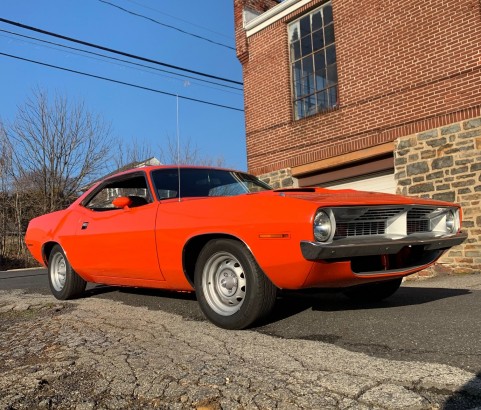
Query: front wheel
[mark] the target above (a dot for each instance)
(64, 282)
(373, 292)
(231, 288)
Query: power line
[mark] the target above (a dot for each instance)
(179, 19)
(110, 50)
(167, 25)
(122, 82)
(119, 59)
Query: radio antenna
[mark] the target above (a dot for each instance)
(178, 143)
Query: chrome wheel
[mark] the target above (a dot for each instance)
(58, 271)
(224, 283)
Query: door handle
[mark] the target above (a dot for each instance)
(85, 225)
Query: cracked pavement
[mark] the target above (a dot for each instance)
(100, 354)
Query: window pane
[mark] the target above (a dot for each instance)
(305, 25)
(307, 86)
(332, 75)
(327, 12)
(307, 65)
(320, 60)
(308, 75)
(322, 100)
(333, 97)
(317, 20)
(321, 81)
(297, 88)
(306, 45)
(298, 109)
(331, 55)
(294, 32)
(296, 51)
(310, 105)
(329, 33)
(297, 70)
(317, 40)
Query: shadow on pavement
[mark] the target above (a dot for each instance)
(291, 303)
(468, 397)
(180, 303)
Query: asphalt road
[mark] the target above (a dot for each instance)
(435, 321)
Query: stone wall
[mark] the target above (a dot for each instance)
(445, 164)
(279, 179)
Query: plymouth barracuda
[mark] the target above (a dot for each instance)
(234, 241)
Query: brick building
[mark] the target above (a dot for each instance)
(375, 95)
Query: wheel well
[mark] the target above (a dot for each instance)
(192, 250)
(46, 250)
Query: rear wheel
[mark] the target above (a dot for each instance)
(64, 282)
(373, 292)
(231, 289)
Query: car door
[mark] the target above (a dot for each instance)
(118, 243)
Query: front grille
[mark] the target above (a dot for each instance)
(346, 229)
(364, 221)
(379, 213)
(417, 226)
(418, 220)
(383, 220)
(419, 213)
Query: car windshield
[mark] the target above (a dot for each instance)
(202, 182)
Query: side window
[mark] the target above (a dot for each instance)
(166, 183)
(134, 187)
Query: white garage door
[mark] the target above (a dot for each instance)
(379, 182)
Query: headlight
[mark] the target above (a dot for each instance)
(322, 226)
(451, 222)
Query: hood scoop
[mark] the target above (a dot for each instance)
(295, 190)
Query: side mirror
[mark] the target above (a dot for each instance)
(122, 202)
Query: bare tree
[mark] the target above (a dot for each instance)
(133, 151)
(186, 153)
(5, 189)
(57, 147)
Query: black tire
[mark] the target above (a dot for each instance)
(64, 282)
(231, 288)
(373, 292)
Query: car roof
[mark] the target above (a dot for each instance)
(149, 168)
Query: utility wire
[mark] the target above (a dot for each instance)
(179, 19)
(110, 50)
(167, 25)
(122, 82)
(128, 64)
(119, 59)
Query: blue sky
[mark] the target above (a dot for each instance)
(133, 113)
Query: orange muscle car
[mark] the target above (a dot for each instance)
(235, 241)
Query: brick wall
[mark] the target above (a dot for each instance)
(403, 67)
(445, 163)
(257, 6)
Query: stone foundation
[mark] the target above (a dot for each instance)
(445, 164)
(279, 179)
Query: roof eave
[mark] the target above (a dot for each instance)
(272, 15)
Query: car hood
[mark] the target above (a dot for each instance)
(339, 197)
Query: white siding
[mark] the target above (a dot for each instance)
(380, 182)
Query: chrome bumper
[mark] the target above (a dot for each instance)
(348, 248)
